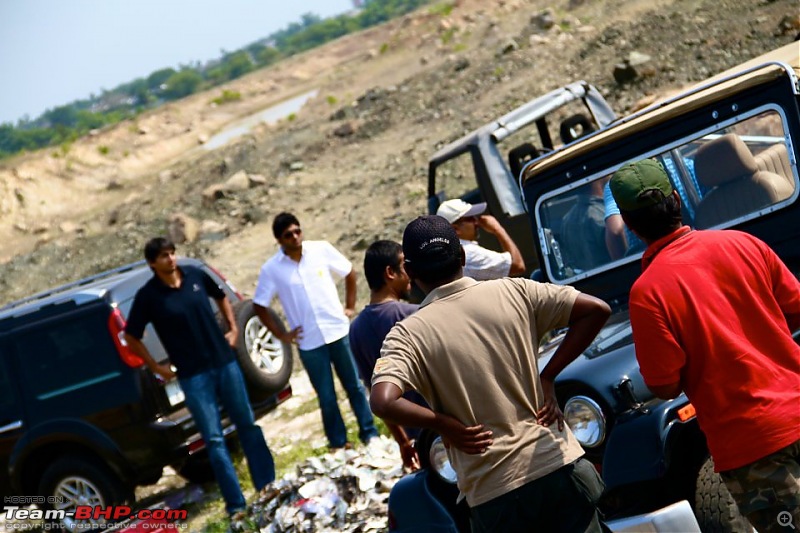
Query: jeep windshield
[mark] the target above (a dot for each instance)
(725, 177)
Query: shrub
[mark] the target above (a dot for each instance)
(227, 96)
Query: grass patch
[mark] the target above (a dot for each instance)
(447, 35)
(332, 100)
(291, 117)
(227, 97)
(442, 9)
(384, 48)
(103, 149)
(287, 460)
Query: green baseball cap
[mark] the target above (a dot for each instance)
(631, 180)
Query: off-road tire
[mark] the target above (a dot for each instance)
(270, 372)
(715, 509)
(89, 476)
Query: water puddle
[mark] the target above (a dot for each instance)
(270, 115)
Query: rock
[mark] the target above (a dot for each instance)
(20, 196)
(211, 230)
(70, 227)
(182, 228)
(536, 39)
(296, 166)
(202, 138)
(165, 176)
(94, 133)
(637, 58)
(461, 64)
(345, 130)
(238, 182)
(256, 180)
(113, 217)
(543, 20)
(789, 24)
(252, 216)
(143, 130)
(509, 46)
(114, 185)
(213, 193)
(633, 67)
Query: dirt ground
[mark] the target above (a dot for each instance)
(352, 163)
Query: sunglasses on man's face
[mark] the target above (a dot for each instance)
(288, 234)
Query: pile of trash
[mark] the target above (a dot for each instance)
(345, 491)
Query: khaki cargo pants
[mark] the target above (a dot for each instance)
(767, 491)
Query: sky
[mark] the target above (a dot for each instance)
(53, 52)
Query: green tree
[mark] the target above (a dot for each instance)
(159, 77)
(237, 64)
(182, 84)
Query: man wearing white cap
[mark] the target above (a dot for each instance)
(482, 263)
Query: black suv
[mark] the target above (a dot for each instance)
(82, 422)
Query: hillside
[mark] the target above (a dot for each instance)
(352, 163)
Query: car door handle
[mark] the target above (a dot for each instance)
(11, 426)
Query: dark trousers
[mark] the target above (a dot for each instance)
(562, 501)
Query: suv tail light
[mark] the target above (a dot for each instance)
(116, 325)
(228, 283)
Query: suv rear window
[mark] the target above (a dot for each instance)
(724, 176)
(60, 356)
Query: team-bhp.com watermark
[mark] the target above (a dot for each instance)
(18, 515)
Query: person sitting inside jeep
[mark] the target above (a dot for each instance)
(482, 263)
(583, 230)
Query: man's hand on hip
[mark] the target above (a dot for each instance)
(468, 439)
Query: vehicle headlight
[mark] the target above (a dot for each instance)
(585, 418)
(440, 462)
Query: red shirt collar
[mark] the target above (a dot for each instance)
(662, 243)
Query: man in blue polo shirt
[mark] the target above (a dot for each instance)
(176, 301)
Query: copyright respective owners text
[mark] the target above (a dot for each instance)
(39, 513)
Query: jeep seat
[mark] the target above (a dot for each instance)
(736, 185)
(775, 159)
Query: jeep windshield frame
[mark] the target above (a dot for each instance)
(492, 172)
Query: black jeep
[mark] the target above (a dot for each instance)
(82, 422)
(731, 146)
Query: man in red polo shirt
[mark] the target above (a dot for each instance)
(712, 315)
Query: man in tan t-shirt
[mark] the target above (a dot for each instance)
(471, 350)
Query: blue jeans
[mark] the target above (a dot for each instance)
(202, 393)
(317, 363)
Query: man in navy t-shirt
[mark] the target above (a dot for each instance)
(388, 284)
(176, 301)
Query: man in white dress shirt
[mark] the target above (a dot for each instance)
(482, 263)
(301, 274)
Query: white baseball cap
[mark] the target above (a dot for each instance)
(454, 209)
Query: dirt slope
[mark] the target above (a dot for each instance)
(392, 94)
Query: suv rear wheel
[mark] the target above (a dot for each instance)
(266, 362)
(75, 480)
(714, 506)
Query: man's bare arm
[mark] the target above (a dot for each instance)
(387, 402)
(350, 294)
(137, 346)
(490, 224)
(587, 317)
(226, 309)
(616, 242)
(271, 324)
